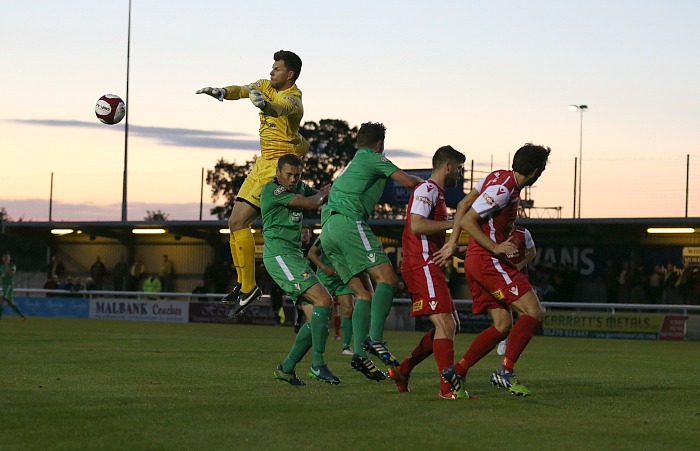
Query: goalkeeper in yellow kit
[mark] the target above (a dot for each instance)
(281, 111)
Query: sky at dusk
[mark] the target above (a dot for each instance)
(484, 77)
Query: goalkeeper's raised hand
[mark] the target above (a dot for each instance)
(256, 96)
(217, 93)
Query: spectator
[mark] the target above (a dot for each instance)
(655, 286)
(201, 288)
(121, 273)
(624, 281)
(55, 268)
(51, 284)
(152, 285)
(670, 278)
(98, 272)
(211, 274)
(639, 284)
(136, 274)
(167, 270)
(684, 286)
(89, 284)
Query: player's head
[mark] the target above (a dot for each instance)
(452, 161)
(6, 256)
(530, 161)
(306, 233)
(371, 135)
(289, 169)
(285, 69)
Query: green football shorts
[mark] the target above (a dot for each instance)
(291, 272)
(351, 246)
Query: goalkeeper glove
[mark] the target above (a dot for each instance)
(217, 93)
(256, 96)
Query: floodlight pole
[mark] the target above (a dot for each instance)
(126, 116)
(581, 109)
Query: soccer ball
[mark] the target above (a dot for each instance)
(110, 109)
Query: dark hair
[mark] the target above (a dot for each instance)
(291, 61)
(370, 133)
(6, 253)
(447, 154)
(529, 158)
(290, 159)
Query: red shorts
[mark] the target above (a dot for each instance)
(493, 283)
(429, 291)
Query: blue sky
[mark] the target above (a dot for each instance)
(485, 77)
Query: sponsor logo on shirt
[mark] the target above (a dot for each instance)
(292, 100)
(425, 200)
(280, 189)
(501, 190)
(514, 290)
(372, 257)
(498, 294)
(490, 200)
(430, 188)
(418, 305)
(433, 305)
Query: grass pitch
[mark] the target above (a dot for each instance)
(74, 384)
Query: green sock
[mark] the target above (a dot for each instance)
(360, 324)
(319, 332)
(16, 309)
(346, 331)
(381, 306)
(301, 346)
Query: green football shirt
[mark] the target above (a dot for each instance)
(282, 223)
(358, 188)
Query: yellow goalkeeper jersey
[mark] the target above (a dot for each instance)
(279, 120)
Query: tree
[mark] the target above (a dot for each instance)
(3, 215)
(156, 216)
(225, 181)
(331, 147)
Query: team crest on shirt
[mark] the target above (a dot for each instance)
(433, 305)
(296, 216)
(279, 190)
(306, 274)
(384, 159)
(498, 294)
(418, 305)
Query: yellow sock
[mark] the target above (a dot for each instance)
(234, 255)
(245, 249)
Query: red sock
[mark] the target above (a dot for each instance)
(482, 345)
(444, 353)
(519, 337)
(420, 353)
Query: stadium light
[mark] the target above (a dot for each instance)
(61, 232)
(670, 230)
(148, 231)
(581, 109)
(225, 231)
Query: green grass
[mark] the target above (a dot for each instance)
(99, 384)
